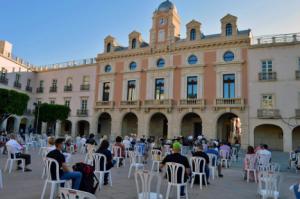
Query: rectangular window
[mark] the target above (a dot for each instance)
(84, 104)
(86, 80)
(41, 83)
(266, 69)
(106, 91)
(228, 86)
(67, 103)
(52, 101)
(131, 86)
(3, 73)
(159, 89)
(192, 87)
(267, 101)
(54, 83)
(39, 102)
(28, 82)
(18, 76)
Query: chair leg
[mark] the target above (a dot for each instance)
(23, 163)
(10, 166)
(178, 192)
(248, 175)
(200, 178)
(186, 193)
(129, 171)
(152, 167)
(168, 191)
(110, 179)
(193, 179)
(6, 165)
(44, 190)
(53, 187)
(101, 180)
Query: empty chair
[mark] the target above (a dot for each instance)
(175, 176)
(274, 167)
(268, 185)
(250, 166)
(263, 162)
(11, 158)
(134, 163)
(54, 182)
(117, 154)
(65, 193)
(100, 160)
(212, 164)
(143, 180)
(156, 159)
(1, 180)
(225, 158)
(198, 169)
(292, 160)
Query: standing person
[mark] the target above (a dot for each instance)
(103, 149)
(200, 153)
(64, 172)
(17, 149)
(176, 157)
(212, 149)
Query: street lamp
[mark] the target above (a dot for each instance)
(37, 105)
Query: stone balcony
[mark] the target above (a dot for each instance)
(82, 113)
(85, 87)
(17, 85)
(29, 89)
(192, 103)
(268, 113)
(297, 111)
(297, 74)
(68, 88)
(53, 89)
(267, 76)
(39, 90)
(130, 104)
(105, 104)
(3, 80)
(164, 103)
(238, 103)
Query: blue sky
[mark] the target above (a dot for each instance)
(51, 31)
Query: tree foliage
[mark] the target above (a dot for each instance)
(53, 112)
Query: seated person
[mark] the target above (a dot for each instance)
(16, 149)
(64, 171)
(199, 152)
(91, 140)
(103, 149)
(176, 157)
(51, 143)
(121, 145)
(212, 149)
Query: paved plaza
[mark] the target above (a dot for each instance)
(18, 185)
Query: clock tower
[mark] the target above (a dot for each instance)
(165, 25)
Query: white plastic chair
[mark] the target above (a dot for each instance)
(251, 167)
(213, 159)
(234, 154)
(225, 158)
(268, 185)
(65, 193)
(11, 159)
(98, 159)
(293, 160)
(172, 170)
(144, 179)
(44, 157)
(54, 183)
(89, 155)
(156, 159)
(198, 169)
(274, 167)
(167, 150)
(117, 152)
(1, 180)
(134, 163)
(263, 162)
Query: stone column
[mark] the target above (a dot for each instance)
(17, 125)
(116, 124)
(44, 127)
(73, 131)
(58, 129)
(287, 139)
(143, 125)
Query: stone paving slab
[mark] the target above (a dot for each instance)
(19, 185)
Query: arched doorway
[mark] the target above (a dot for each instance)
(191, 124)
(66, 127)
(229, 128)
(10, 124)
(296, 137)
(269, 134)
(129, 124)
(83, 128)
(23, 125)
(158, 126)
(104, 124)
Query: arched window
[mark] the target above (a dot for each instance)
(228, 56)
(228, 29)
(193, 35)
(192, 59)
(132, 66)
(107, 69)
(108, 47)
(160, 63)
(133, 44)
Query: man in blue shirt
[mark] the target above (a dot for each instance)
(212, 149)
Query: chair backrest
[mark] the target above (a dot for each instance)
(52, 163)
(156, 155)
(224, 154)
(167, 149)
(197, 164)
(139, 149)
(173, 172)
(251, 161)
(10, 153)
(132, 157)
(274, 167)
(99, 159)
(263, 159)
(143, 181)
(65, 193)
(117, 151)
(212, 159)
(268, 182)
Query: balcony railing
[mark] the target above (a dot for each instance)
(130, 104)
(73, 63)
(164, 103)
(53, 89)
(273, 39)
(193, 103)
(68, 88)
(297, 113)
(267, 76)
(3, 80)
(297, 74)
(268, 113)
(39, 90)
(82, 112)
(229, 103)
(85, 87)
(17, 85)
(105, 104)
(29, 89)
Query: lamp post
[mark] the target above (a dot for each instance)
(37, 105)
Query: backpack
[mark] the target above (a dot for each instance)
(89, 182)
